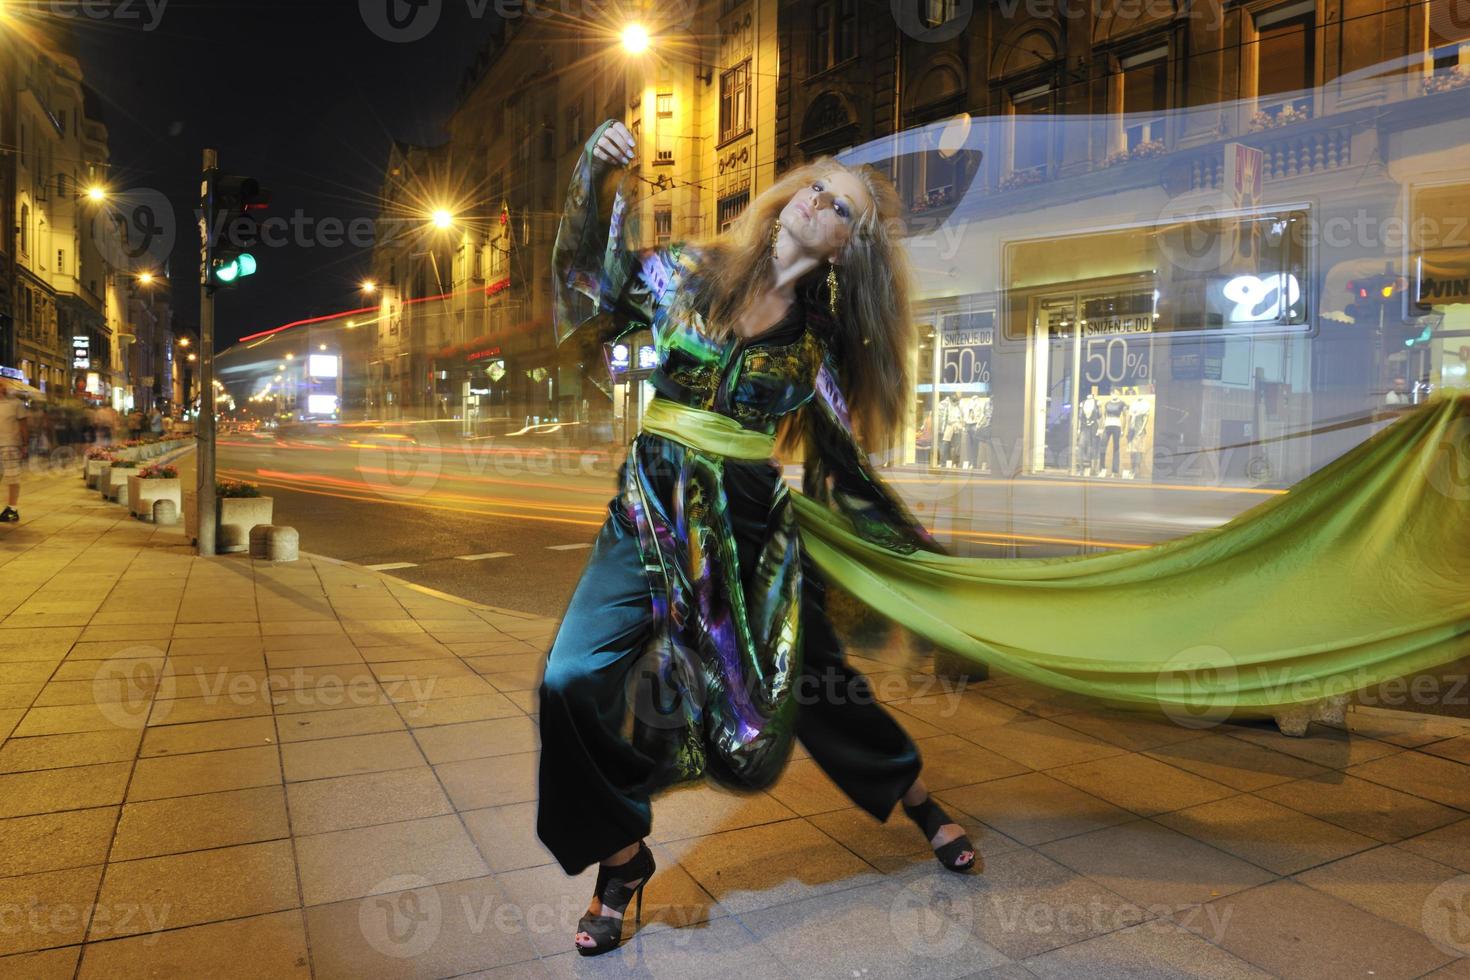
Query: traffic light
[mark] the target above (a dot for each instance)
(230, 227)
(1385, 299)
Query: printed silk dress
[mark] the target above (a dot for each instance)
(696, 642)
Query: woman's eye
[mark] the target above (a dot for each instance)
(841, 211)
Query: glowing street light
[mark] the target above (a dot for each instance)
(443, 219)
(97, 193)
(635, 39)
(369, 287)
(145, 278)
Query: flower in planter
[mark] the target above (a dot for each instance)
(124, 464)
(98, 452)
(235, 488)
(161, 472)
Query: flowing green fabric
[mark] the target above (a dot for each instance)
(1359, 574)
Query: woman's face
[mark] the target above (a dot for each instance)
(820, 216)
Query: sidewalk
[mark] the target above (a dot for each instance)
(224, 768)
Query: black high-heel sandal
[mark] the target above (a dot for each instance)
(930, 817)
(614, 893)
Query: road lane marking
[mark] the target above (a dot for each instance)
(568, 547)
(388, 566)
(488, 554)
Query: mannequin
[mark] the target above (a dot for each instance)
(1138, 414)
(1087, 425)
(1115, 411)
(951, 429)
(974, 408)
(979, 429)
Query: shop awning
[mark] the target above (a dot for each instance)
(21, 388)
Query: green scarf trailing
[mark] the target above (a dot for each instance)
(1359, 574)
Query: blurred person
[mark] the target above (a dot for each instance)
(1398, 394)
(806, 296)
(14, 437)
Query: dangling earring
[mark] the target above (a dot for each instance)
(832, 287)
(775, 234)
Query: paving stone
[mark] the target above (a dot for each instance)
(1033, 808)
(1141, 784)
(52, 841)
(1128, 859)
(1267, 834)
(73, 788)
(191, 823)
(276, 945)
(476, 783)
(343, 802)
(53, 909)
(349, 864)
(201, 886)
(1290, 930)
(352, 755)
(205, 772)
(1361, 806)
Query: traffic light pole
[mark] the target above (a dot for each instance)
(204, 428)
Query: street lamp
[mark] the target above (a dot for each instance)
(443, 219)
(369, 287)
(97, 193)
(635, 39)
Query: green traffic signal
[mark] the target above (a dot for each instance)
(239, 267)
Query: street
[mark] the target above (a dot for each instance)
(511, 527)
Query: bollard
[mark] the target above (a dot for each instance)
(282, 544)
(258, 535)
(165, 512)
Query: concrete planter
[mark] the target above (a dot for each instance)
(113, 482)
(236, 515)
(142, 493)
(93, 470)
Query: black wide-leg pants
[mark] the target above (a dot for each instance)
(589, 805)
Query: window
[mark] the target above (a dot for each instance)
(574, 126)
(937, 12)
(731, 206)
(1285, 57)
(25, 229)
(1032, 112)
(735, 101)
(663, 225)
(664, 129)
(834, 33)
(61, 260)
(1145, 96)
(1449, 34)
(822, 36)
(548, 144)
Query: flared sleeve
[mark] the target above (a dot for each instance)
(604, 285)
(838, 473)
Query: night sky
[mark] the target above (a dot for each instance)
(302, 95)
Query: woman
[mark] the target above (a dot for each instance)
(696, 641)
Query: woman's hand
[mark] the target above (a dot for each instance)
(615, 146)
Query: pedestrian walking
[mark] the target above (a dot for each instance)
(14, 437)
(698, 591)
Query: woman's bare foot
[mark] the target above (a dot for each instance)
(595, 908)
(917, 794)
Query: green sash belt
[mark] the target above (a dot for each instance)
(1359, 574)
(709, 432)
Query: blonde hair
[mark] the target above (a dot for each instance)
(874, 334)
